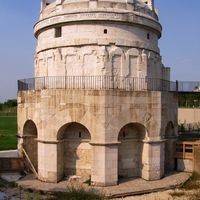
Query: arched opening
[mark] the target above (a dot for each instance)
(169, 147)
(75, 150)
(130, 150)
(30, 143)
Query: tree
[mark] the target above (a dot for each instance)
(1, 106)
(189, 100)
(11, 103)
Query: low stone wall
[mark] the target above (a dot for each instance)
(11, 165)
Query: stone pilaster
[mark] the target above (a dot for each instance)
(153, 160)
(47, 161)
(104, 167)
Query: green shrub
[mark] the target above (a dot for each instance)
(192, 183)
(28, 196)
(38, 196)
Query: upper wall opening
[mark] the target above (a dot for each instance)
(50, 1)
(45, 3)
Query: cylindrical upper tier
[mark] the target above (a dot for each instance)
(66, 23)
(98, 37)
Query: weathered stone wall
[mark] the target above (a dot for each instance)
(78, 158)
(90, 106)
(130, 159)
(103, 114)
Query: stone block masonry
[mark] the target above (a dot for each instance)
(99, 134)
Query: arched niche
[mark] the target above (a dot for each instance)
(130, 150)
(74, 150)
(169, 147)
(132, 69)
(30, 144)
(116, 56)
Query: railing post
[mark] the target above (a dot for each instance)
(177, 86)
(18, 84)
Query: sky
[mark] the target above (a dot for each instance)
(179, 45)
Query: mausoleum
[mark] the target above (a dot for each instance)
(100, 105)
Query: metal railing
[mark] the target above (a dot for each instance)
(188, 86)
(97, 83)
(107, 82)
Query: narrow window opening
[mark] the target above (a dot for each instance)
(105, 31)
(148, 36)
(124, 134)
(58, 32)
(80, 134)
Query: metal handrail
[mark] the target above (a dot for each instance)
(97, 83)
(107, 83)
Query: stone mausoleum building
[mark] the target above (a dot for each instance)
(99, 105)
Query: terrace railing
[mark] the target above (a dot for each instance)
(188, 86)
(107, 82)
(96, 82)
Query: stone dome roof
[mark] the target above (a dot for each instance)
(50, 7)
(140, 3)
(139, 12)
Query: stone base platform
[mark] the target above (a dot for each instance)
(125, 188)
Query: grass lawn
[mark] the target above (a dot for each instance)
(8, 131)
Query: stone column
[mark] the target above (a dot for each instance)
(104, 164)
(47, 161)
(153, 160)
